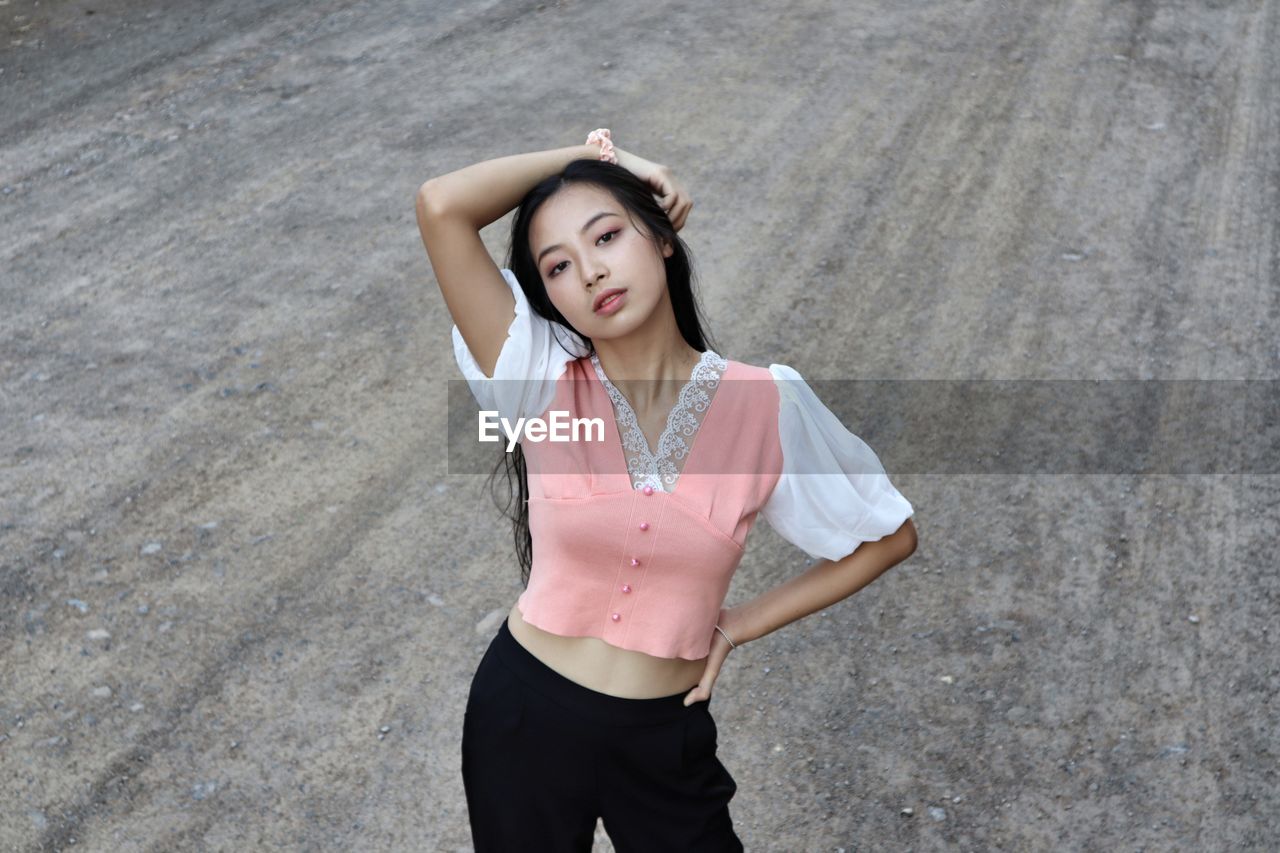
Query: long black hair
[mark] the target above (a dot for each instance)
(637, 200)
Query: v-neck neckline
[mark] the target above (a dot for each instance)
(626, 422)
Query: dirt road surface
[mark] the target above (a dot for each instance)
(243, 597)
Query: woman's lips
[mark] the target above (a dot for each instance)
(612, 302)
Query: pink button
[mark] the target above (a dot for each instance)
(644, 525)
(634, 561)
(616, 617)
(648, 490)
(626, 587)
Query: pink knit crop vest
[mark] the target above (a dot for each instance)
(647, 571)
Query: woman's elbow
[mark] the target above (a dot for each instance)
(909, 539)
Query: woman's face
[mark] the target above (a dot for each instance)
(581, 255)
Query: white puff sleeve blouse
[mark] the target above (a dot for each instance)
(529, 363)
(833, 494)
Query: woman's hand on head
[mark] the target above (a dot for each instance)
(672, 196)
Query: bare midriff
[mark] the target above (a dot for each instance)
(595, 664)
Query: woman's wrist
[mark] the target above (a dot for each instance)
(634, 163)
(730, 623)
(589, 151)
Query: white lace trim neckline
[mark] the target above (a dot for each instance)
(661, 469)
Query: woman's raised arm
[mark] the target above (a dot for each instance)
(452, 209)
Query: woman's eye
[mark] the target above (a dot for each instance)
(551, 273)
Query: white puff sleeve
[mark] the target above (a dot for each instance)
(530, 362)
(833, 494)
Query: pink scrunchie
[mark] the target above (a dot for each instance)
(603, 137)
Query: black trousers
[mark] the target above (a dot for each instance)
(543, 757)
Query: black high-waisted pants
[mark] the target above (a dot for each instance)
(543, 757)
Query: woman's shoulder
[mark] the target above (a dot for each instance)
(754, 388)
(749, 370)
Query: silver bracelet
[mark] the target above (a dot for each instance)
(726, 636)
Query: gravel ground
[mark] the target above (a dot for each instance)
(243, 597)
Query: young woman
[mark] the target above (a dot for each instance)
(592, 701)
